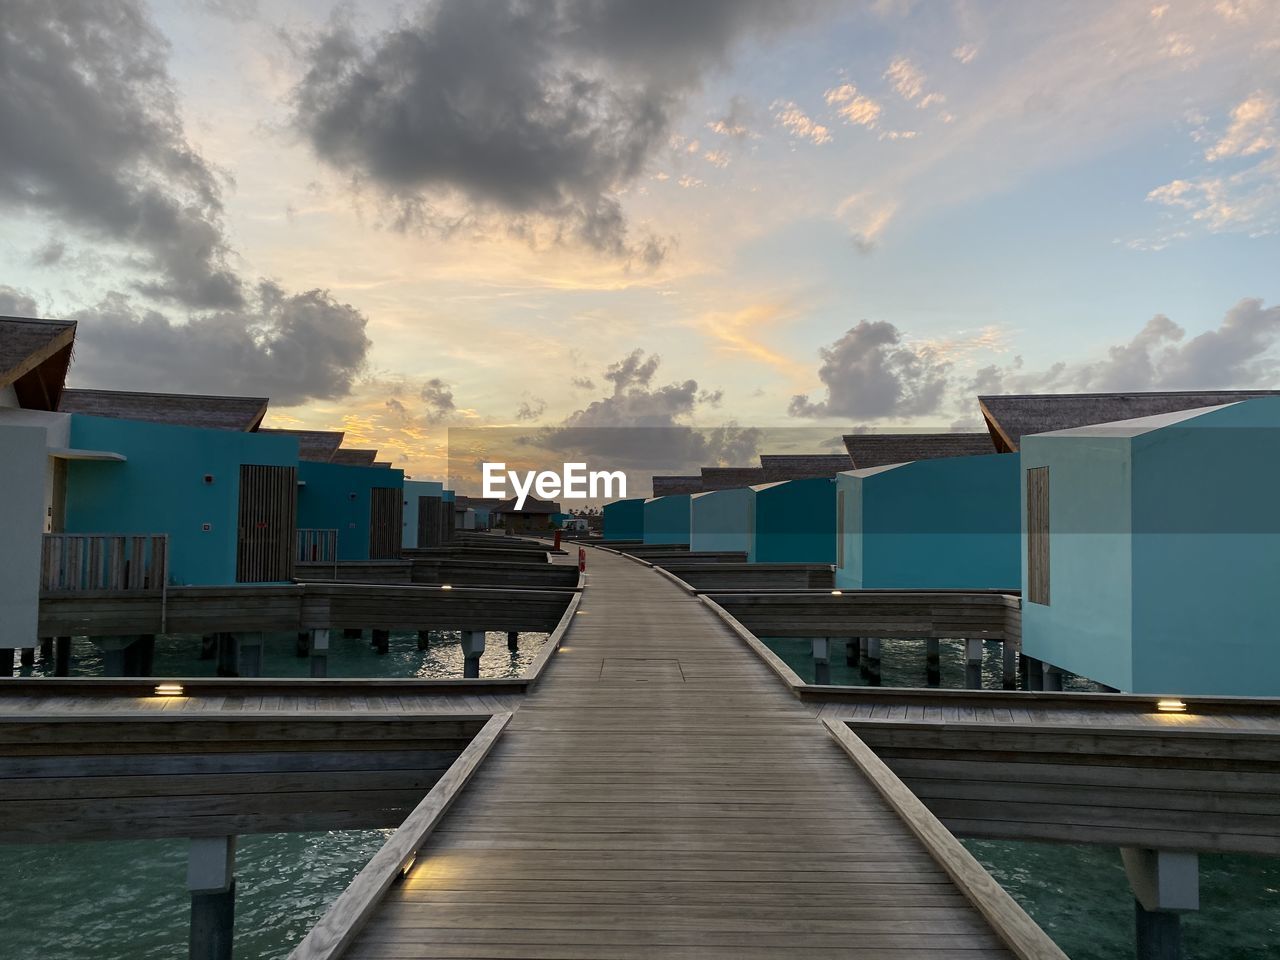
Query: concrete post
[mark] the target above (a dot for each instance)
(1052, 677)
(973, 664)
(933, 662)
(1164, 884)
(864, 666)
(144, 655)
(27, 658)
(6, 661)
(821, 660)
(852, 652)
(472, 650)
(1009, 665)
(424, 639)
(228, 655)
(319, 643)
(513, 641)
(250, 654)
(61, 657)
(352, 633)
(211, 879)
(46, 649)
(381, 640)
(302, 644)
(208, 646)
(118, 657)
(873, 661)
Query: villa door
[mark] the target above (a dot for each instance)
(267, 523)
(385, 520)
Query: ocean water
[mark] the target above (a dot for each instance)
(127, 899)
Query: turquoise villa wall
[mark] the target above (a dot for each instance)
(624, 519)
(722, 520)
(795, 522)
(951, 523)
(335, 496)
(1087, 627)
(413, 489)
(666, 519)
(160, 488)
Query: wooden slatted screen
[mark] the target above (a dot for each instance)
(385, 512)
(118, 562)
(267, 523)
(429, 521)
(1038, 535)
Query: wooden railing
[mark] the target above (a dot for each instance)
(76, 562)
(317, 546)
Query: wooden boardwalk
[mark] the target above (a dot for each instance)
(660, 794)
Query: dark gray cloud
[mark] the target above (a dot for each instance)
(870, 374)
(439, 400)
(538, 111)
(1239, 353)
(583, 383)
(17, 303)
(531, 409)
(102, 146)
(51, 253)
(290, 348)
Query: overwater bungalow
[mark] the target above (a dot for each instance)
(1151, 547)
(624, 519)
(423, 517)
(795, 521)
(949, 523)
(533, 516)
(722, 520)
(362, 505)
(666, 519)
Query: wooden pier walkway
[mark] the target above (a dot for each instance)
(659, 794)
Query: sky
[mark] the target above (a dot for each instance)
(405, 219)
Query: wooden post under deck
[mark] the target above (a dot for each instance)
(933, 662)
(211, 879)
(472, 650)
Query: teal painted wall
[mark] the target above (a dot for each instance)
(335, 496)
(624, 519)
(934, 524)
(1087, 628)
(795, 522)
(1206, 553)
(666, 519)
(722, 520)
(161, 488)
(413, 489)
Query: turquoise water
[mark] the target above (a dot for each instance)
(127, 900)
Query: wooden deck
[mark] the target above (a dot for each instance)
(659, 794)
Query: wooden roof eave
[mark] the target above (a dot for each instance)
(1001, 439)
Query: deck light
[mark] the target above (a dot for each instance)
(446, 586)
(168, 690)
(1171, 706)
(837, 593)
(408, 865)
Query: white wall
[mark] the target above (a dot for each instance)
(24, 463)
(57, 431)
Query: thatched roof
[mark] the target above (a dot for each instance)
(34, 356)
(354, 457)
(880, 449)
(186, 410)
(314, 445)
(665, 486)
(779, 466)
(532, 506)
(723, 478)
(1010, 418)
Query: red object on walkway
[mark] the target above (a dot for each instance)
(582, 559)
(556, 545)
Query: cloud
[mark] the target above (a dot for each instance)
(583, 383)
(439, 400)
(1238, 353)
(870, 374)
(965, 53)
(291, 348)
(799, 124)
(736, 122)
(531, 409)
(909, 82)
(1252, 129)
(539, 113)
(49, 254)
(16, 303)
(102, 146)
(853, 106)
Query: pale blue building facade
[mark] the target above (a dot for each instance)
(722, 520)
(1163, 551)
